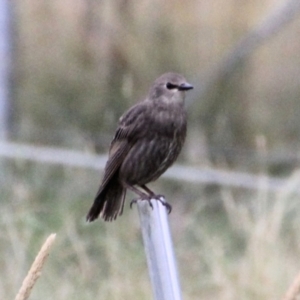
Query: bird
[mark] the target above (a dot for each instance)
(148, 140)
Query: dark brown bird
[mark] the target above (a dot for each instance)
(148, 140)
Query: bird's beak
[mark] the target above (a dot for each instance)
(185, 87)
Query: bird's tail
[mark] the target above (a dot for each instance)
(109, 201)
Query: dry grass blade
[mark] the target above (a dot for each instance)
(35, 270)
(294, 289)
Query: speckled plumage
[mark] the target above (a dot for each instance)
(147, 141)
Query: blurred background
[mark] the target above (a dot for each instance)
(74, 67)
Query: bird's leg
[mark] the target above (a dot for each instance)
(145, 188)
(157, 197)
(142, 195)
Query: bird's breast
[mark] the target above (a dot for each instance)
(168, 121)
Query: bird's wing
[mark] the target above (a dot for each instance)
(131, 123)
(128, 131)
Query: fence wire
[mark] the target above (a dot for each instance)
(79, 159)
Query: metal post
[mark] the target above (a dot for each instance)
(5, 49)
(159, 250)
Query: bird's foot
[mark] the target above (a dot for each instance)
(159, 198)
(134, 201)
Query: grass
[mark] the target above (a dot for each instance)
(245, 246)
(36, 269)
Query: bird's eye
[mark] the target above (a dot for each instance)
(171, 86)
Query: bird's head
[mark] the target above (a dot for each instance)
(170, 88)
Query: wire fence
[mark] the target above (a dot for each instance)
(79, 159)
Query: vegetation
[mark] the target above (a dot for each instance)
(246, 247)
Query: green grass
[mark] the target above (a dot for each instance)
(245, 246)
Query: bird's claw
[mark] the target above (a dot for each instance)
(157, 198)
(161, 199)
(168, 207)
(134, 201)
